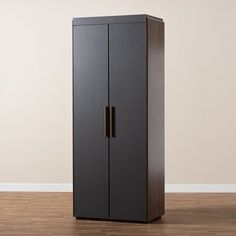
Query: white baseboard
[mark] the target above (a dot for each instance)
(200, 188)
(169, 188)
(34, 187)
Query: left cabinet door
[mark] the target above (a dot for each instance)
(90, 96)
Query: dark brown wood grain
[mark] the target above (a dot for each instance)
(156, 125)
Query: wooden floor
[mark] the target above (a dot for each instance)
(51, 214)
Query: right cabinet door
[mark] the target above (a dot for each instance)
(128, 148)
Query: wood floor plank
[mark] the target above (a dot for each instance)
(51, 214)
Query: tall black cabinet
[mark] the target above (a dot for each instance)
(118, 117)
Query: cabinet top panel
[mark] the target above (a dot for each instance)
(112, 19)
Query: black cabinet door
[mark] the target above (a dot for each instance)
(127, 89)
(90, 56)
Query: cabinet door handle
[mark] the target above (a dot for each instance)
(106, 122)
(112, 121)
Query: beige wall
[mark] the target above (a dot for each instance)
(35, 87)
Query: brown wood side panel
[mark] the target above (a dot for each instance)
(156, 138)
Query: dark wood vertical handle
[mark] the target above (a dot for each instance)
(106, 122)
(112, 121)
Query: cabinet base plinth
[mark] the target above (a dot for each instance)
(119, 220)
